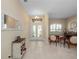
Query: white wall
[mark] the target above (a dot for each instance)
(14, 9)
(46, 28)
(6, 38)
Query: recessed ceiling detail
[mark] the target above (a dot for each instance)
(54, 8)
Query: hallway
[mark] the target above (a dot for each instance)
(41, 50)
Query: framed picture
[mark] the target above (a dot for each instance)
(9, 23)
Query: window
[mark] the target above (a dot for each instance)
(55, 27)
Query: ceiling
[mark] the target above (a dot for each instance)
(54, 8)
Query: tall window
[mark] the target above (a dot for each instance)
(55, 27)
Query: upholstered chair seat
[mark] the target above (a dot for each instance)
(53, 37)
(73, 39)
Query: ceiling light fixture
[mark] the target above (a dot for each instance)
(25, 0)
(36, 17)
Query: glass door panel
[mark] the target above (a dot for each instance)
(34, 31)
(39, 31)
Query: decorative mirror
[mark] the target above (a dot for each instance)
(73, 26)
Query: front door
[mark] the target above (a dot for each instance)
(36, 30)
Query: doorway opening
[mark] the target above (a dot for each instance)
(36, 29)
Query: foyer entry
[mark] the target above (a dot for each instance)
(36, 29)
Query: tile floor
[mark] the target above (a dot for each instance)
(41, 50)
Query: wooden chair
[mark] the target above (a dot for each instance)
(70, 38)
(53, 39)
(73, 41)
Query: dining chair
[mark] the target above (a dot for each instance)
(73, 41)
(53, 39)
